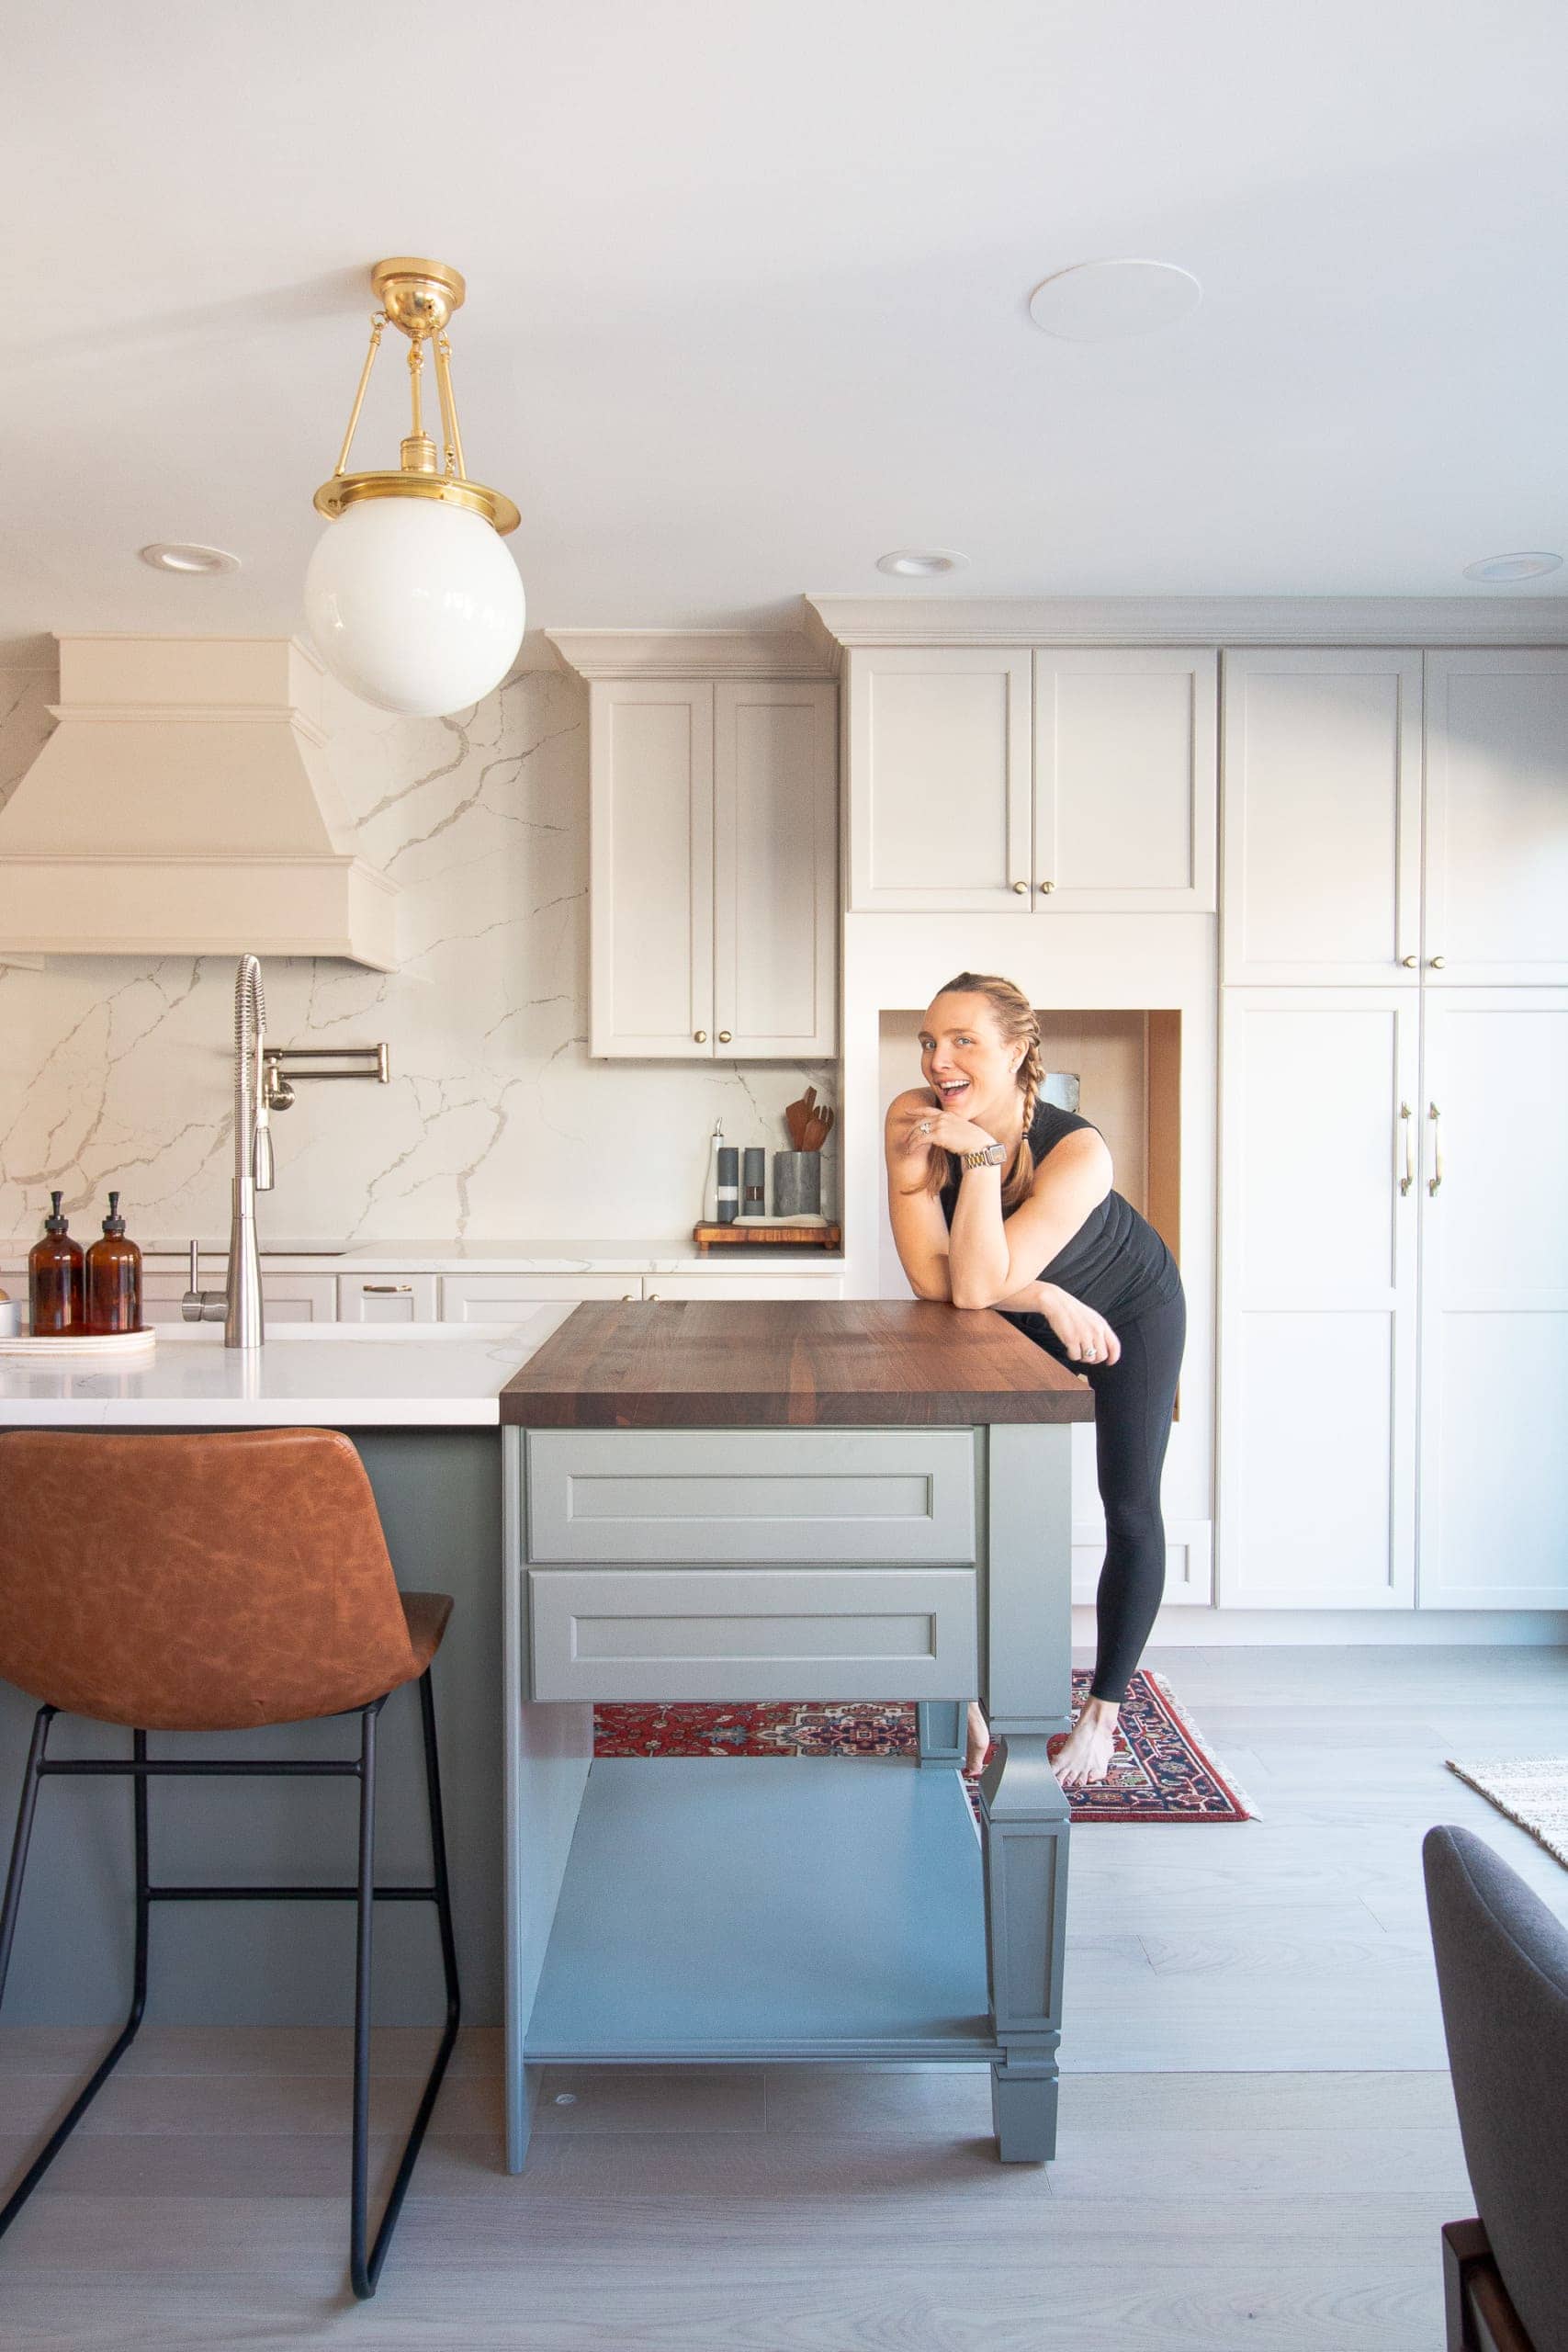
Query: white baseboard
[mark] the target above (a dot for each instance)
(1185, 1627)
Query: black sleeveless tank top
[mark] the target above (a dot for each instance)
(1115, 1262)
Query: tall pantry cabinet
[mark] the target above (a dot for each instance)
(1393, 1250)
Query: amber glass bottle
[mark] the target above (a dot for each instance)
(56, 1290)
(114, 1277)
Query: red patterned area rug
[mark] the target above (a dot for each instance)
(1160, 1771)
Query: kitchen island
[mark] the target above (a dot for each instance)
(422, 1406)
(858, 1500)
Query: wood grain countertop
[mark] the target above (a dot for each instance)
(749, 1363)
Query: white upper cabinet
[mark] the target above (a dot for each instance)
(939, 791)
(1321, 816)
(650, 897)
(714, 868)
(775, 868)
(1496, 817)
(1125, 773)
(994, 779)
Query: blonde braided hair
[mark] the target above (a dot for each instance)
(1015, 1018)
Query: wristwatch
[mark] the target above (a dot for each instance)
(991, 1157)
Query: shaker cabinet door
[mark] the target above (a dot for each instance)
(1321, 816)
(1495, 1300)
(1496, 817)
(776, 869)
(938, 779)
(1126, 778)
(1319, 1210)
(650, 901)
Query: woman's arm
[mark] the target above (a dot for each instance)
(919, 1230)
(990, 1258)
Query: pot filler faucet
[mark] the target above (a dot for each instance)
(260, 1087)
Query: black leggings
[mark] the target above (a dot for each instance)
(1133, 1402)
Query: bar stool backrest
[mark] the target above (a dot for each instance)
(195, 1583)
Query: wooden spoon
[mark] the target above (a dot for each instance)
(819, 1127)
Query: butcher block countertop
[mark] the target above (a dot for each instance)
(751, 1363)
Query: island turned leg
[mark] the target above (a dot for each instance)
(1024, 1811)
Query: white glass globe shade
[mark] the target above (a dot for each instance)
(414, 605)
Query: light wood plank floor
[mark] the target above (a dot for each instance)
(1257, 2141)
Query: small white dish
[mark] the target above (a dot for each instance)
(89, 1344)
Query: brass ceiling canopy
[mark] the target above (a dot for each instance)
(418, 297)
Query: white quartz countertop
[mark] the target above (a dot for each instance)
(337, 1376)
(443, 1255)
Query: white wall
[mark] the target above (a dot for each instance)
(496, 1124)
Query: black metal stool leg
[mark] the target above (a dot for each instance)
(85, 2097)
(365, 1907)
(366, 2275)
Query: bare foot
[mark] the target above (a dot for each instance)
(1085, 1758)
(978, 1740)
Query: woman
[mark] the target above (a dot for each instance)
(1000, 1200)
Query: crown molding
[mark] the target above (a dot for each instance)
(836, 622)
(693, 653)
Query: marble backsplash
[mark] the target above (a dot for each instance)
(496, 1124)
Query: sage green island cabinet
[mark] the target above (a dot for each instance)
(824, 1501)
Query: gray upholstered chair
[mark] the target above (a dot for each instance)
(1503, 1973)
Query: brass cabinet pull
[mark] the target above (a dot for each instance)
(1047, 885)
(724, 1037)
(1408, 1178)
(701, 1035)
(1022, 889)
(1439, 963)
(386, 1290)
(1410, 962)
(1436, 1178)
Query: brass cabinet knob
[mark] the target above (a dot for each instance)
(701, 1035)
(627, 1295)
(724, 1036)
(1410, 962)
(1022, 889)
(653, 1298)
(1047, 885)
(1439, 963)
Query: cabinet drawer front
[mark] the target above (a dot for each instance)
(682, 1495)
(751, 1632)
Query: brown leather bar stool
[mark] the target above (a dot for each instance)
(217, 1584)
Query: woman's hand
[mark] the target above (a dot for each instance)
(1087, 1337)
(909, 1149)
(945, 1131)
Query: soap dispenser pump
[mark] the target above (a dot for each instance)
(114, 1278)
(56, 1289)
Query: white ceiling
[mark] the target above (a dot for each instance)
(747, 292)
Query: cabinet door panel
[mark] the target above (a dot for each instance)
(1495, 1301)
(503, 1298)
(938, 778)
(1317, 1299)
(1496, 817)
(1125, 778)
(1322, 816)
(385, 1298)
(285, 1298)
(651, 868)
(776, 894)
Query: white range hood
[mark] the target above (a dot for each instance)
(186, 805)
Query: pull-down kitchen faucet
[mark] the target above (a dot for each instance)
(240, 1304)
(261, 1087)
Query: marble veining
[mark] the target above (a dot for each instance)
(115, 1070)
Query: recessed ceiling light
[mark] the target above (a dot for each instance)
(1529, 564)
(1100, 301)
(921, 563)
(173, 555)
